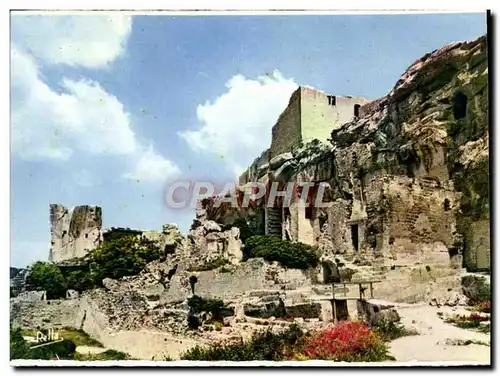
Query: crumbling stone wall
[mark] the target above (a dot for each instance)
(74, 232)
(44, 313)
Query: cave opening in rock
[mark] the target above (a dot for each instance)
(459, 105)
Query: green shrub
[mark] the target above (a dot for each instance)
(121, 257)
(390, 330)
(48, 277)
(288, 254)
(264, 345)
(63, 350)
(124, 256)
(18, 346)
(212, 264)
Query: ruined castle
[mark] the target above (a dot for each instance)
(407, 179)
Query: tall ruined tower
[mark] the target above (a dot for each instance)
(74, 232)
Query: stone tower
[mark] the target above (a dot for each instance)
(74, 232)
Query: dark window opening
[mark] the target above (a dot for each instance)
(86, 236)
(354, 236)
(309, 212)
(376, 309)
(332, 100)
(454, 250)
(192, 282)
(447, 204)
(64, 233)
(356, 110)
(459, 105)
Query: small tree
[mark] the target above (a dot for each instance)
(46, 276)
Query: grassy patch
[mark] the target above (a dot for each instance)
(106, 355)
(79, 337)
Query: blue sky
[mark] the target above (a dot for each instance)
(109, 109)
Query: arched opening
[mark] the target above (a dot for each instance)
(459, 105)
(356, 110)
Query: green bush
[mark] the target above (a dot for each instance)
(264, 345)
(48, 277)
(288, 254)
(210, 265)
(390, 330)
(18, 346)
(64, 349)
(124, 256)
(121, 257)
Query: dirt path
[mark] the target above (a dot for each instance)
(90, 350)
(431, 344)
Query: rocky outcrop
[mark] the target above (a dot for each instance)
(74, 232)
(18, 281)
(417, 161)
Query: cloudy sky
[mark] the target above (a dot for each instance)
(108, 109)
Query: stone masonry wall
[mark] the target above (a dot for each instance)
(287, 131)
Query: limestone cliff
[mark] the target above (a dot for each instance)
(429, 137)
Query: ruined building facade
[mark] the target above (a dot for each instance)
(310, 115)
(407, 178)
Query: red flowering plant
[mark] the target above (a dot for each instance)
(350, 341)
(484, 306)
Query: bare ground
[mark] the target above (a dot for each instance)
(431, 344)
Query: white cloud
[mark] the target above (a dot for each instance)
(152, 167)
(83, 40)
(237, 125)
(47, 124)
(84, 118)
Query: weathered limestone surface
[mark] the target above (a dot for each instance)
(74, 232)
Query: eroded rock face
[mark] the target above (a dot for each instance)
(74, 232)
(417, 161)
